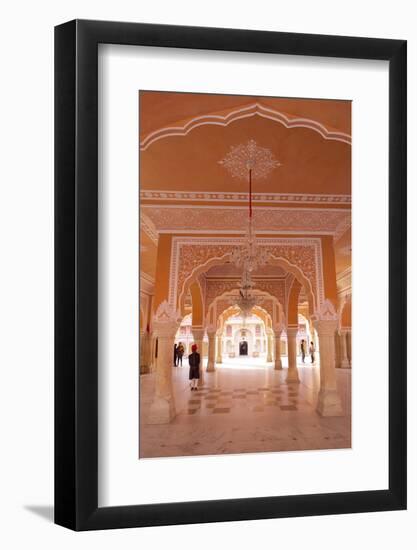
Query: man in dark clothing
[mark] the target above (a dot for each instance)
(175, 355)
(180, 353)
(303, 350)
(194, 362)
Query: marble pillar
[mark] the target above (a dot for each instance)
(145, 352)
(329, 403)
(198, 335)
(312, 335)
(211, 351)
(337, 350)
(344, 361)
(349, 346)
(219, 354)
(269, 348)
(278, 362)
(153, 352)
(165, 326)
(292, 372)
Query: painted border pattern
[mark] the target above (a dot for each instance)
(216, 196)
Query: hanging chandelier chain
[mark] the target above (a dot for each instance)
(249, 162)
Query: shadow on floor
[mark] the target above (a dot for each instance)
(45, 512)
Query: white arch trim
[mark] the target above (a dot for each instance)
(256, 109)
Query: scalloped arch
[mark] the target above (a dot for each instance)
(220, 260)
(255, 109)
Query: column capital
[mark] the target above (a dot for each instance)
(325, 312)
(326, 327)
(278, 329)
(326, 318)
(211, 329)
(292, 331)
(166, 321)
(197, 332)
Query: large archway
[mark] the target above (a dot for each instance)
(243, 338)
(225, 259)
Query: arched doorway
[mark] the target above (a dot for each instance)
(243, 347)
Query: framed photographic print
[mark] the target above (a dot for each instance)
(230, 275)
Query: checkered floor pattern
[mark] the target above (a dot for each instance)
(219, 401)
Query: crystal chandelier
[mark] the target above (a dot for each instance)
(249, 162)
(246, 300)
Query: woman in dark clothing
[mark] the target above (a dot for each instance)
(194, 362)
(180, 353)
(175, 355)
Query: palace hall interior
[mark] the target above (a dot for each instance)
(245, 251)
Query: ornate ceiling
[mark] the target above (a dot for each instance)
(184, 189)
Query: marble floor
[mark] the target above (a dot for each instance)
(245, 406)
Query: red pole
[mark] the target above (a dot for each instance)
(250, 192)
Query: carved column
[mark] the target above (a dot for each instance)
(349, 346)
(165, 326)
(337, 350)
(326, 322)
(142, 366)
(145, 352)
(278, 362)
(344, 361)
(292, 372)
(198, 335)
(153, 353)
(211, 350)
(269, 348)
(312, 334)
(219, 355)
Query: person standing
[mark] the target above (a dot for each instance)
(180, 353)
(194, 362)
(312, 352)
(303, 350)
(175, 355)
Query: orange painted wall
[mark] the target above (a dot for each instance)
(347, 315)
(198, 310)
(329, 269)
(293, 303)
(162, 269)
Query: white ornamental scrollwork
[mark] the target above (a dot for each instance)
(326, 312)
(165, 313)
(244, 157)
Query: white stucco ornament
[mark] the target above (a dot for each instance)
(278, 328)
(211, 329)
(326, 312)
(249, 156)
(165, 313)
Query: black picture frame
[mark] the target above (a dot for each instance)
(76, 273)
